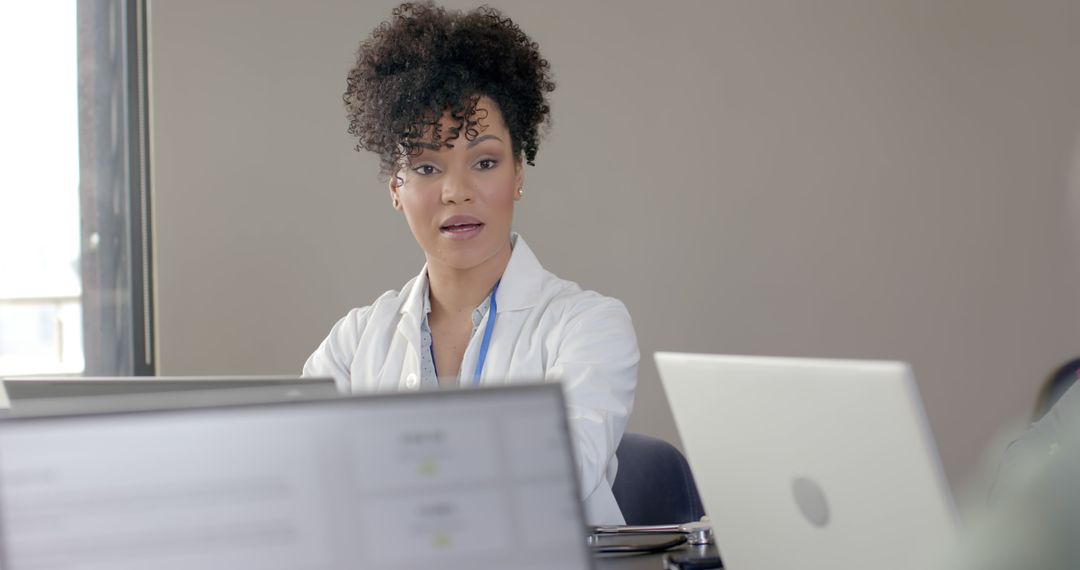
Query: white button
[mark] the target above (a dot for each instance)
(411, 382)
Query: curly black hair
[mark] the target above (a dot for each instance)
(428, 60)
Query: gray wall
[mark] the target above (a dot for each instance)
(832, 178)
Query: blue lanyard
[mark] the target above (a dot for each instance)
(492, 310)
(487, 335)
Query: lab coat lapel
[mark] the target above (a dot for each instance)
(408, 327)
(519, 289)
(522, 279)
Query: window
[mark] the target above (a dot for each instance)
(74, 294)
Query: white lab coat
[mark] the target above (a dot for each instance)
(546, 328)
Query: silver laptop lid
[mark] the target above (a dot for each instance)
(479, 478)
(811, 463)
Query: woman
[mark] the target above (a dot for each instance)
(453, 103)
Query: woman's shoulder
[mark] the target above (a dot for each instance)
(573, 302)
(581, 322)
(387, 304)
(549, 292)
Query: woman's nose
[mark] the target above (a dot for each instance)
(457, 189)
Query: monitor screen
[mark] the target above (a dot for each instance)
(40, 393)
(458, 479)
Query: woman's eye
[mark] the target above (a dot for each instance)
(486, 164)
(424, 170)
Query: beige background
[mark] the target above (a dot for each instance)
(832, 178)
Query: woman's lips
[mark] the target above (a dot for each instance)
(461, 231)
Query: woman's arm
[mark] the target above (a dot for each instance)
(597, 363)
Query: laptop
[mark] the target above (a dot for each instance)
(44, 395)
(475, 479)
(811, 463)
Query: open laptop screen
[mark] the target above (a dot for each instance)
(465, 479)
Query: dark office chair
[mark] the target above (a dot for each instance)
(654, 484)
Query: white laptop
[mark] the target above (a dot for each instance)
(811, 463)
(471, 479)
(47, 395)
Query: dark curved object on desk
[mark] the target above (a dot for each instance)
(654, 484)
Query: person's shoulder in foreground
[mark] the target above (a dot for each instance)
(1033, 518)
(1058, 427)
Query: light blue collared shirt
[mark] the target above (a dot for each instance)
(429, 378)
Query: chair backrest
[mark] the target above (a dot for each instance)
(654, 484)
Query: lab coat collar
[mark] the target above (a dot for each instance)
(519, 288)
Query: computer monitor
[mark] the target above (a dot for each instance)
(48, 395)
(811, 463)
(480, 478)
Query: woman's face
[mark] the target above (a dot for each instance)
(459, 201)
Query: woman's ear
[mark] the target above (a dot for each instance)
(395, 183)
(519, 178)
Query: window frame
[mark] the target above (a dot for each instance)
(116, 264)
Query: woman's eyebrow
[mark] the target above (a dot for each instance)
(482, 138)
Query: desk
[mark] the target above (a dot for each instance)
(642, 561)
